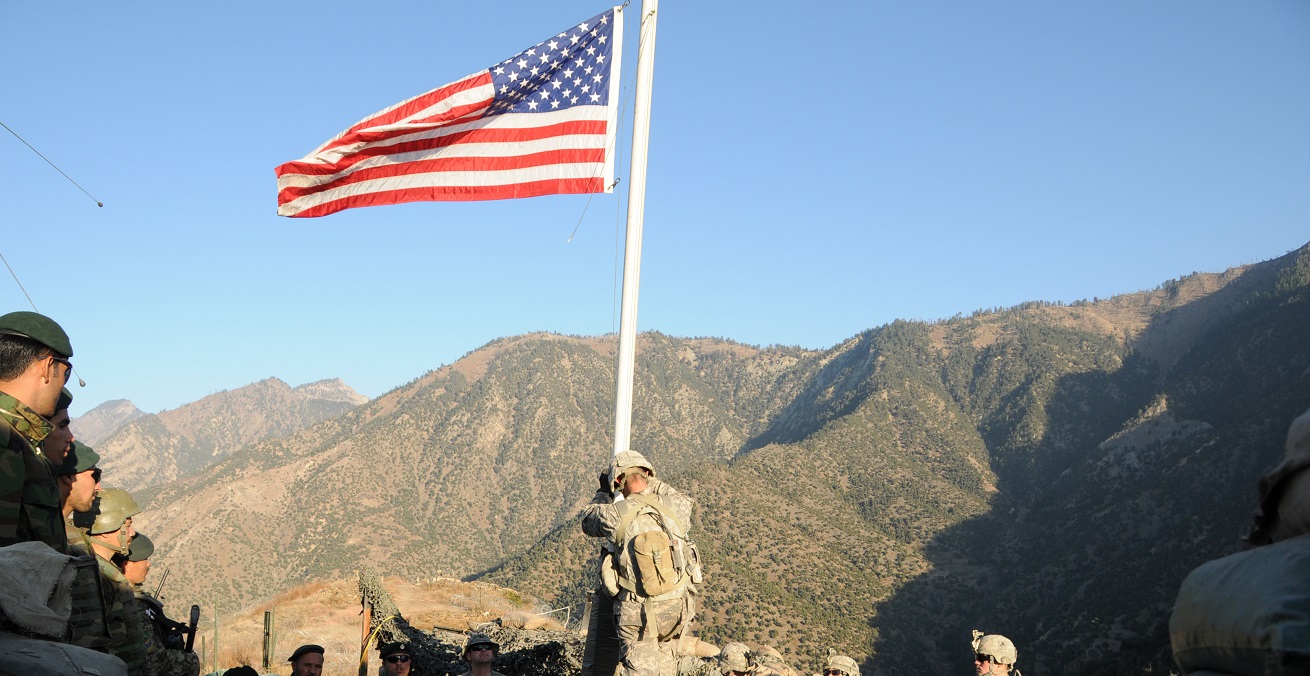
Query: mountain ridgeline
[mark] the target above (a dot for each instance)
(140, 449)
(1049, 472)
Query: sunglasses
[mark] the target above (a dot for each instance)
(68, 372)
(979, 657)
(833, 672)
(480, 646)
(95, 474)
(397, 659)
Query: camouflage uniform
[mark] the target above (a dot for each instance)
(161, 659)
(29, 496)
(129, 635)
(768, 661)
(648, 627)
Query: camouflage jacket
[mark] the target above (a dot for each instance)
(129, 632)
(162, 660)
(29, 496)
(79, 543)
(603, 517)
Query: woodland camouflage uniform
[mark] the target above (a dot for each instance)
(648, 628)
(129, 633)
(29, 496)
(160, 659)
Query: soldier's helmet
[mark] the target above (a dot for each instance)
(734, 657)
(1000, 649)
(114, 507)
(625, 459)
(843, 664)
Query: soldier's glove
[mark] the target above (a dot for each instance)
(605, 482)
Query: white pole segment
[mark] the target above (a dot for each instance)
(636, 213)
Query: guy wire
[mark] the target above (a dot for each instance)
(47, 161)
(80, 382)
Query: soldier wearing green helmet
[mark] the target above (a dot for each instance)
(34, 367)
(110, 523)
(109, 529)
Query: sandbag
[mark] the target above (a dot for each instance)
(1247, 614)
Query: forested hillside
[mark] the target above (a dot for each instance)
(1049, 472)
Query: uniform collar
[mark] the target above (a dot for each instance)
(29, 423)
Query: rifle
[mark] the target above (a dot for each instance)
(191, 628)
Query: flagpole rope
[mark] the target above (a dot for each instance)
(614, 144)
(47, 161)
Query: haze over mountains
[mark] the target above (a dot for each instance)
(140, 449)
(1048, 471)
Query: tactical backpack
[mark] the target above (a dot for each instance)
(663, 561)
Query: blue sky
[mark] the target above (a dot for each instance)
(816, 169)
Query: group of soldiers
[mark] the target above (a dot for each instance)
(650, 569)
(51, 493)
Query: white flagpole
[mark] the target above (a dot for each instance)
(636, 214)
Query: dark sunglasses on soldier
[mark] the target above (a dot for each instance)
(480, 646)
(68, 372)
(979, 657)
(95, 474)
(833, 672)
(397, 659)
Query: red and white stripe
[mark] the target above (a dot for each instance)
(437, 147)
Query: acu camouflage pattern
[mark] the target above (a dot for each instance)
(768, 662)
(29, 496)
(648, 628)
(128, 632)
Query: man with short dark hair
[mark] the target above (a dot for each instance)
(307, 660)
(56, 445)
(34, 367)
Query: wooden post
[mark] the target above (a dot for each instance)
(269, 647)
(367, 613)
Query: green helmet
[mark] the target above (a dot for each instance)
(734, 657)
(995, 646)
(113, 508)
(843, 664)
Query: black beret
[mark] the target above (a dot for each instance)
(80, 458)
(305, 650)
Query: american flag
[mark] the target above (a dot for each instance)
(541, 122)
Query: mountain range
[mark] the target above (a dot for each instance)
(139, 449)
(1048, 471)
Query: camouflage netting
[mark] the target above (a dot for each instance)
(522, 652)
